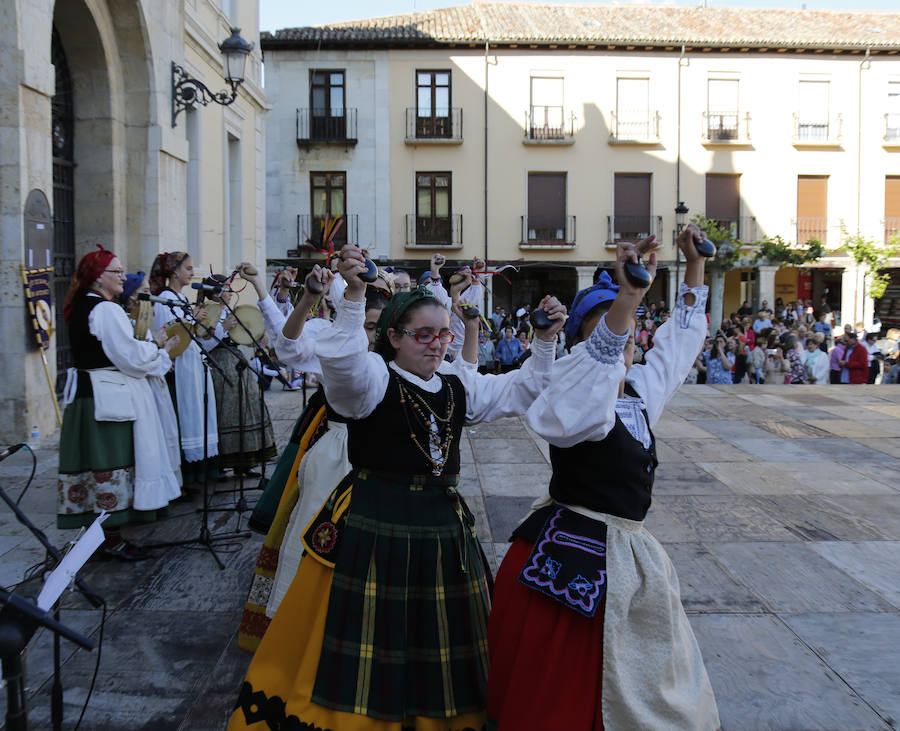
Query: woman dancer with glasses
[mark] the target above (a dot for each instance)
(111, 458)
(384, 626)
(588, 631)
(170, 274)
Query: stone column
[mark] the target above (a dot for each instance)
(672, 290)
(716, 290)
(850, 286)
(585, 276)
(766, 284)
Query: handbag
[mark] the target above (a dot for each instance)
(112, 396)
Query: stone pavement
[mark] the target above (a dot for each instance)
(780, 507)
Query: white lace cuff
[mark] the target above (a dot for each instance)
(685, 312)
(604, 345)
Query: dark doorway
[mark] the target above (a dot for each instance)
(62, 129)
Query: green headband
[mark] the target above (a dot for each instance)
(395, 308)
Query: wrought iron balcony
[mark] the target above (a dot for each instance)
(816, 131)
(445, 125)
(640, 126)
(891, 229)
(725, 127)
(546, 124)
(326, 126)
(811, 227)
(548, 231)
(743, 228)
(311, 226)
(434, 231)
(632, 228)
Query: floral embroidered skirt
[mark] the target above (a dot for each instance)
(96, 470)
(394, 636)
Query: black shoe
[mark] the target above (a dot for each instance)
(124, 551)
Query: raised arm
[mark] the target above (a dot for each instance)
(354, 379)
(492, 396)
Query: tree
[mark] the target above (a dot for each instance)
(728, 253)
(873, 256)
(776, 250)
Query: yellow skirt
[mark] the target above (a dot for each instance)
(280, 680)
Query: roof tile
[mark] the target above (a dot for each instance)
(525, 22)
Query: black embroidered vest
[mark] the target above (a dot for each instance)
(613, 476)
(381, 442)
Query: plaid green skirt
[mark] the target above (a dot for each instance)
(406, 632)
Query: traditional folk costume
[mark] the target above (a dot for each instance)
(588, 630)
(245, 436)
(318, 464)
(187, 383)
(384, 626)
(112, 450)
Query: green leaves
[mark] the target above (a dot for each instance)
(872, 255)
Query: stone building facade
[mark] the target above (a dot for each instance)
(86, 118)
(540, 134)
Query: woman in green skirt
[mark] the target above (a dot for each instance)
(108, 403)
(385, 624)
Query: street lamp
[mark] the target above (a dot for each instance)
(681, 212)
(187, 91)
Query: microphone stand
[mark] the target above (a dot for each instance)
(19, 620)
(206, 537)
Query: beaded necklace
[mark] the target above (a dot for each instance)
(418, 412)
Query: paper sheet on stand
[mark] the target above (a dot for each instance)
(71, 564)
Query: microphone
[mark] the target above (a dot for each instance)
(10, 450)
(144, 297)
(207, 288)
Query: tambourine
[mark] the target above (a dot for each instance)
(184, 338)
(142, 313)
(252, 318)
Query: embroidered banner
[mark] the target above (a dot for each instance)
(38, 295)
(568, 561)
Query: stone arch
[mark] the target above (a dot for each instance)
(107, 45)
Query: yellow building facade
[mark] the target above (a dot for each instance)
(539, 135)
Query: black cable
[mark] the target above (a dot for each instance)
(96, 668)
(33, 470)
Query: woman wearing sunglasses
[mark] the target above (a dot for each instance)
(385, 624)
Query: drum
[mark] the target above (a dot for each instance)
(253, 321)
(213, 314)
(176, 328)
(142, 313)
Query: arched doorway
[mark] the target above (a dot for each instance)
(63, 132)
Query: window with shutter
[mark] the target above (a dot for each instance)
(813, 119)
(722, 109)
(546, 118)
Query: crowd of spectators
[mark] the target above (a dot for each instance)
(793, 344)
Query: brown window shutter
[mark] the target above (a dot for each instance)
(892, 196)
(723, 197)
(812, 196)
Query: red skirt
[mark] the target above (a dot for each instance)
(546, 659)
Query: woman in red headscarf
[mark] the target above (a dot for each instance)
(108, 402)
(171, 273)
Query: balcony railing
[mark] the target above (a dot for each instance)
(817, 131)
(334, 126)
(632, 228)
(811, 227)
(726, 127)
(635, 126)
(436, 231)
(543, 123)
(548, 230)
(891, 229)
(742, 228)
(311, 226)
(892, 128)
(445, 125)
